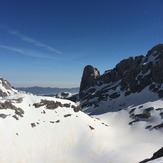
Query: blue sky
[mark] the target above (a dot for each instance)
(48, 42)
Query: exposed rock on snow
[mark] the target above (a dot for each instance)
(55, 104)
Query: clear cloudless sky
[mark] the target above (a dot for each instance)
(48, 42)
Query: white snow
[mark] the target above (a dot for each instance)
(69, 140)
(130, 144)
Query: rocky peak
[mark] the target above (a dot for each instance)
(90, 74)
(135, 73)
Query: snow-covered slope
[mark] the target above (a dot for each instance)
(38, 129)
(130, 143)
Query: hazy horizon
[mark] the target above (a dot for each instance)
(50, 85)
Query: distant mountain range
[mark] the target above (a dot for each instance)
(47, 90)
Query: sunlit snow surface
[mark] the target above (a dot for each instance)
(61, 135)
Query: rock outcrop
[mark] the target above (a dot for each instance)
(90, 74)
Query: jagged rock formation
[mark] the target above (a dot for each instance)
(129, 76)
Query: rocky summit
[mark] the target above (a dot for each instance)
(129, 76)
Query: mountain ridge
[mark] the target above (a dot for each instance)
(130, 76)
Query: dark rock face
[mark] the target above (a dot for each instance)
(126, 70)
(131, 75)
(90, 74)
